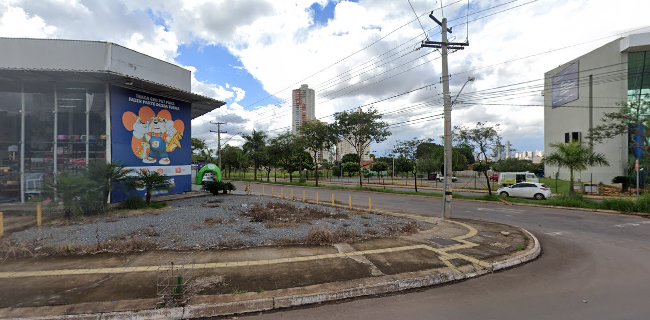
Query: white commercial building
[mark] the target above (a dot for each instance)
(303, 107)
(66, 103)
(578, 94)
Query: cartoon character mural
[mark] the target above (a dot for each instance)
(154, 135)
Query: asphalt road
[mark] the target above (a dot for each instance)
(594, 266)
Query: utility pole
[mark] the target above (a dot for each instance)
(219, 132)
(444, 45)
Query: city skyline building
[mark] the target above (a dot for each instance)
(303, 107)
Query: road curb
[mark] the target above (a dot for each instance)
(224, 305)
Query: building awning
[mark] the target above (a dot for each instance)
(200, 104)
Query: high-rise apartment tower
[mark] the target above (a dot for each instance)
(303, 107)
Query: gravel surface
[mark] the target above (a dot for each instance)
(208, 222)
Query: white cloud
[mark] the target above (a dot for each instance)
(15, 22)
(279, 44)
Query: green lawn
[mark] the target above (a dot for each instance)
(560, 186)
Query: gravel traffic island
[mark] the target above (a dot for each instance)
(223, 222)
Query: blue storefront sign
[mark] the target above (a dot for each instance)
(150, 132)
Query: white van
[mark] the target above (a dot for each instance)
(510, 178)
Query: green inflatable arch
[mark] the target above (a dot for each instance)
(210, 167)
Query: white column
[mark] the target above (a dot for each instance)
(56, 131)
(108, 123)
(22, 142)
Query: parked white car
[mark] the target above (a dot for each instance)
(532, 190)
(442, 178)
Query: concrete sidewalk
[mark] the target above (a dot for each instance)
(161, 285)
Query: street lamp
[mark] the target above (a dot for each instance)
(447, 195)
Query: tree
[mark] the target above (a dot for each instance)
(513, 165)
(407, 149)
(351, 167)
(232, 158)
(619, 122)
(317, 136)
(428, 164)
(350, 157)
(482, 138)
(575, 157)
(254, 148)
(379, 167)
(360, 129)
(107, 175)
(200, 151)
(289, 153)
(150, 180)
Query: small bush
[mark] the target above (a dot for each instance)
(320, 237)
(643, 204)
(134, 202)
(625, 182)
(230, 187)
(214, 187)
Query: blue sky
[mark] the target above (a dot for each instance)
(215, 64)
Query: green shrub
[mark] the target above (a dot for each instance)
(214, 187)
(625, 182)
(643, 204)
(134, 202)
(229, 186)
(574, 201)
(622, 205)
(80, 194)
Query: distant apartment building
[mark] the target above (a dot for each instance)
(534, 156)
(303, 107)
(344, 147)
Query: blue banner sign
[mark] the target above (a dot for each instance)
(150, 132)
(565, 85)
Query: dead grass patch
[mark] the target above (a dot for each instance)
(121, 245)
(213, 221)
(12, 250)
(248, 230)
(277, 214)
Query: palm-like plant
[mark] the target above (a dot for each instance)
(575, 157)
(150, 180)
(108, 175)
(254, 148)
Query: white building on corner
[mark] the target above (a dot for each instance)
(578, 93)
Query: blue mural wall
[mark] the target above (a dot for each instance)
(150, 132)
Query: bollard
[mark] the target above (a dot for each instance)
(2, 224)
(369, 203)
(316, 197)
(39, 214)
(350, 201)
(292, 198)
(332, 199)
(304, 196)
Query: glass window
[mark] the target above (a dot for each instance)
(39, 136)
(10, 106)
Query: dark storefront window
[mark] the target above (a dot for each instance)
(10, 106)
(64, 128)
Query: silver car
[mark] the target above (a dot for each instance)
(531, 190)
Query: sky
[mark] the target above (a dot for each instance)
(365, 53)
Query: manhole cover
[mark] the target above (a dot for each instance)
(442, 242)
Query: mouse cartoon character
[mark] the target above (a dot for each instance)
(154, 135)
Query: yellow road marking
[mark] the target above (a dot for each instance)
(211, 265)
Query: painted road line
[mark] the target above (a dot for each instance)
(210, 265)
(555, 234)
